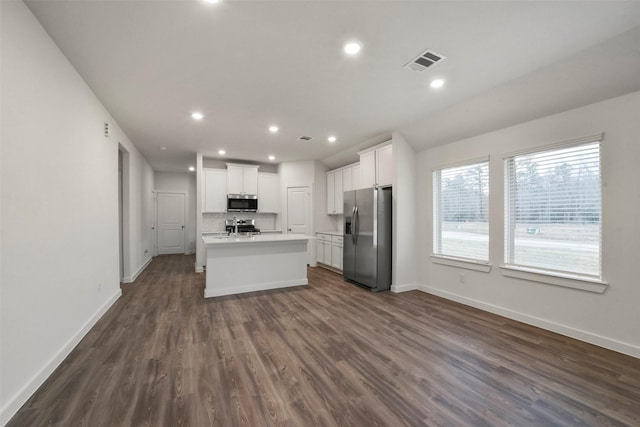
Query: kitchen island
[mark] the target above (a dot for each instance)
(236, 265)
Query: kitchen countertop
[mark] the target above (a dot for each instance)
(261, 238)
(333, 233)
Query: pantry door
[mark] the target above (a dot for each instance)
(171, 222)
(299, 215)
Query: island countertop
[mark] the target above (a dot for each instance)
(260, 238)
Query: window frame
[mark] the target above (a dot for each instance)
(585, 282)
(451, 260)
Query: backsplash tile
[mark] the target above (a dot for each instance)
(214, 222)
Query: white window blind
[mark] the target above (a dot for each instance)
(553, 208)
(461, 212)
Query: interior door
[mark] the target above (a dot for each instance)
(171, 222)
(299, 214)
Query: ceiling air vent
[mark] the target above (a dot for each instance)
(304, 138)
(424, 60)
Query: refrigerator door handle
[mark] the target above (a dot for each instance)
(356, 225)
(353, 225)
(375, 218)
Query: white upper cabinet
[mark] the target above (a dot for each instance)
(347, 179)
(215, 190)
(368, 169)
(235, 179)
(334, 192)
(376, 167)
(339, 189)
(251, 180)
(339, 181)
(331, 192)
(268, 193)
(355, 177)
(384, 166)
(242, 179)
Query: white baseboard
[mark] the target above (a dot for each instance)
(404, 287)
(133, 277)
(14, 403)
(208, 293)
(199, 268)
(578, 334)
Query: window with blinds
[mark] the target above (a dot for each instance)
(461, 212)
(553, 209)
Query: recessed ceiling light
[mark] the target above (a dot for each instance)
(331, 139)
(222, 152)
(437, 83)
(273, 129)
(192, 169)
(272, 157)
(197, 116)
(352, 48)
(212, 1)
(163, 148)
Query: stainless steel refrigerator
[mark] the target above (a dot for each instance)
(366, 258)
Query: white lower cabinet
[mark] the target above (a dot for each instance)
(320, 251)
(336, 252)
(329, 250)
(327, 253)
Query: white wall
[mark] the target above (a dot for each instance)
(181, 183)
(59, 212)
(611, 319)
(404, 216)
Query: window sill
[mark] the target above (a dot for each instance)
(461, 263)
(564, 280)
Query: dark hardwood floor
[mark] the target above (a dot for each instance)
(326, 354)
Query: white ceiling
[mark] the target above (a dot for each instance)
(249, 64)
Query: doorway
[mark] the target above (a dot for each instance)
(123, 212)
(171, 222)
(120, 236)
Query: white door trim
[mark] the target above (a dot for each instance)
(186, 219)
(125, 248)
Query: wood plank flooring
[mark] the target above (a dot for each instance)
(328, 354)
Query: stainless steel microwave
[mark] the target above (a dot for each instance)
(242, 203)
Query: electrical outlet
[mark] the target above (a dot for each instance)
(461, 278)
